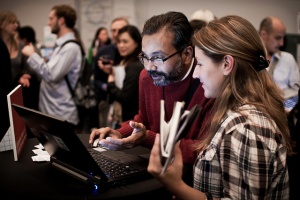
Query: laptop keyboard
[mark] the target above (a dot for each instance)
(111, 168)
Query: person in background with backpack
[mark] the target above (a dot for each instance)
(54, 97)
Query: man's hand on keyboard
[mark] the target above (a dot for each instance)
(102, 133)
(137, 137)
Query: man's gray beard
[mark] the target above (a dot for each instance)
(172, 78)
(163, 82)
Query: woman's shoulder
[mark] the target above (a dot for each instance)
(242, 113)
(250, 118)
(135, 66)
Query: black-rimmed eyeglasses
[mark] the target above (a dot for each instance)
(156, 61)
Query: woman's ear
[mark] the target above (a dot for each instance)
(228, 64)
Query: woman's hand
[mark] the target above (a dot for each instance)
(111, 78)
(105, 64)
(173, 172)
(25, 80)
(172, 176)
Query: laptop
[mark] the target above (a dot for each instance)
(290, 98)
(70, 155)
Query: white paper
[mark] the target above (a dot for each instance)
(40, 154)
(119, 72)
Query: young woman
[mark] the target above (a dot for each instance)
(100, 40)
(129, 41)
(21, 72)
(244, 155)
(8, 32)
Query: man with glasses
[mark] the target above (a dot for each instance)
(168, 58)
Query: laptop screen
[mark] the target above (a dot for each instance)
(60, 141)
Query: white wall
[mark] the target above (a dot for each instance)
(35, 12)
(253, 10)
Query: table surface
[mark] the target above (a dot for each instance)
(38, 180)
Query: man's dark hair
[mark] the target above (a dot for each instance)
(197, 24)
(67, 12)
(174, 22)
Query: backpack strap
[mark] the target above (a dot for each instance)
(69, 86)
(81, 67)
(75, 41)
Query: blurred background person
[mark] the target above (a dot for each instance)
(55, 98)
(26, 35)
(101, 77)
(21, 73)
(205, 15)
(197, 24)
(100, 40)
(285, 72)
(283, 66)
(201, 18)
(126, 93)
(5, 88)
(9, 29)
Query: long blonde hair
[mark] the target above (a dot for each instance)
(248, 83)
(7, 17)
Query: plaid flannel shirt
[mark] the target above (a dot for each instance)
(246, 159)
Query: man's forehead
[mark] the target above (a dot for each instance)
(278, 27)
(157, 43)
(278, 33)
(52, 13)
(118, 24)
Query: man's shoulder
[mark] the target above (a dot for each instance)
(144, 74)
(285, 55)
(69, 44)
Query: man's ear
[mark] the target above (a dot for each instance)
(188, 54)
(263, 34)
(228, 64)
(61, 20)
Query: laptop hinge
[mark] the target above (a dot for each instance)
(96, 179)
(69, 171)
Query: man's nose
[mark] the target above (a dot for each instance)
(281, 42)
(149, 66)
